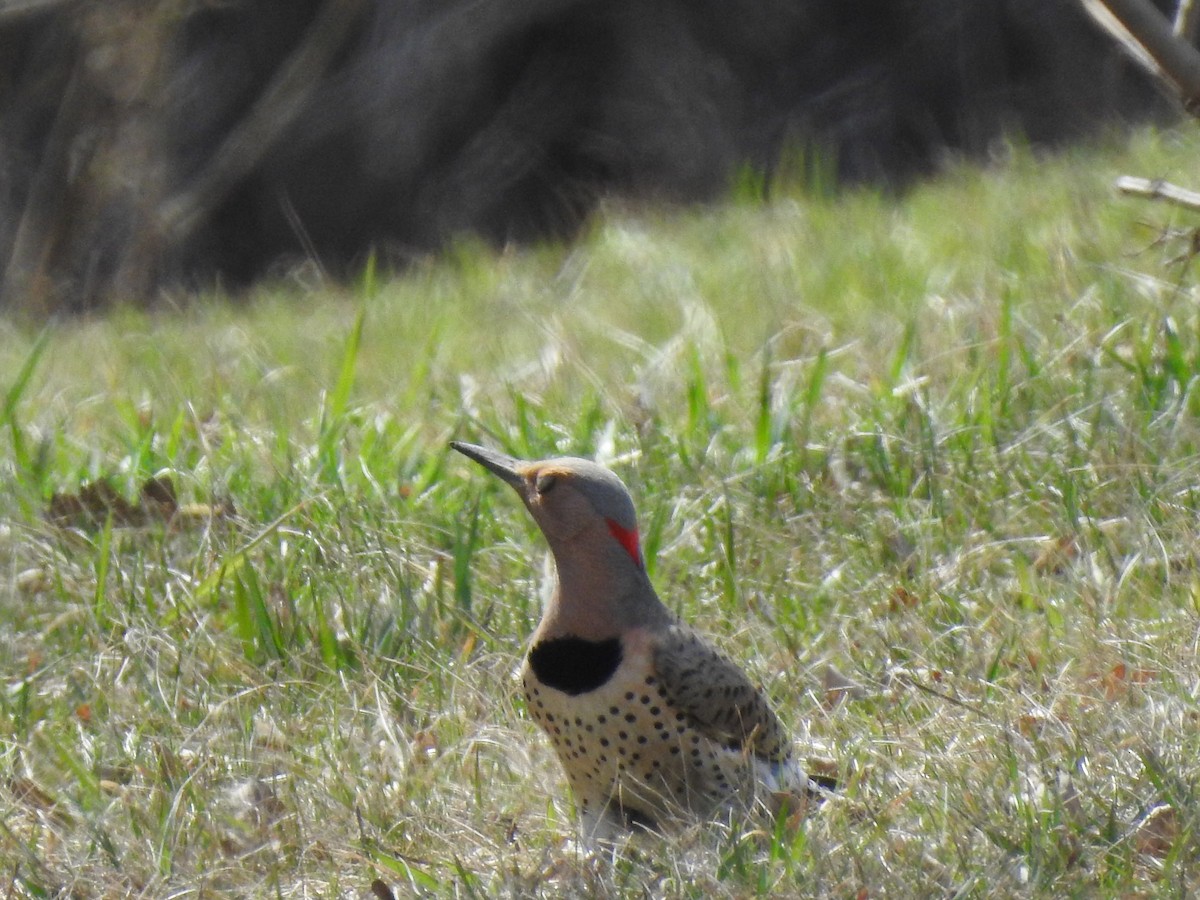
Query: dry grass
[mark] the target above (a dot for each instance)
(945, 444)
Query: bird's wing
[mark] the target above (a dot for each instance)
(716, 696)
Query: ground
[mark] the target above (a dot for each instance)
(925, 465)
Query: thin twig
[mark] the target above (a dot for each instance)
(1187, 17)
(1175, 60)
(1156, 189)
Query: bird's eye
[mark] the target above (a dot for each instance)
(545, 483)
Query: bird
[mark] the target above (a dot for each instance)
(653, 726)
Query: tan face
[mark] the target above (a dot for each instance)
(567, 497)
(554, 499)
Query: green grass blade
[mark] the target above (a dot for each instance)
(102, 563)
(763, 429)
(465, 541)
(338, 401)
(12, 399)
(812, 396)
(340, 398)
(233, 563)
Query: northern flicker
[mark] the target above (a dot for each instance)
(651, 724)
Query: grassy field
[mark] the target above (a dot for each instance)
(928, 466)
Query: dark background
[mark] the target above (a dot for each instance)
(183, 143)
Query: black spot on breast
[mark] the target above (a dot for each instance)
(573, 665)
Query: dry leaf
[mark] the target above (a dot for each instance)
(190, 514)
(1056, 555)
(1158, 832)
(97, 502)
(901, 598)
(1031, 725)
(33, 581)
(424, 746)
(823, 771)
(267, 733)
(160, 492)
(1118, 680)
(839, 687)
(796, 806)
(32, 795)
(25, 790)
(468, 646)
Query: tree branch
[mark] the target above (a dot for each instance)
(1176, 61)
(1159, 190)
(1187, 17)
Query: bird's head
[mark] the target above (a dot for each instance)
(580, 506)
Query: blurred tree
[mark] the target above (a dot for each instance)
(151, 143)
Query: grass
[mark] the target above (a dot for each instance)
(942, 446)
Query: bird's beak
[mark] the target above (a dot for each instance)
(499, 464)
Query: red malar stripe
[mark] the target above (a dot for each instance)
(628, 538)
